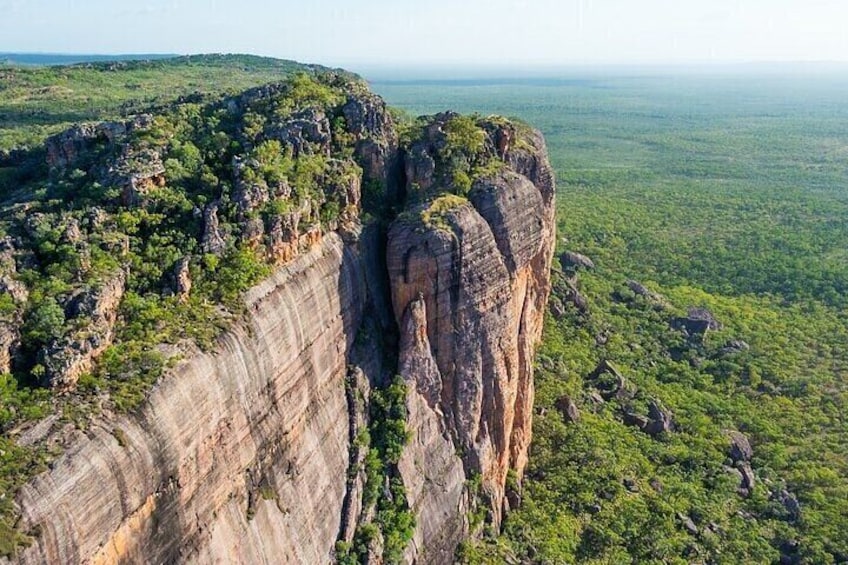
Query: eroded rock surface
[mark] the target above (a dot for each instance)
(67, 358)
(481, 269)
(260, 424)
(247, 453)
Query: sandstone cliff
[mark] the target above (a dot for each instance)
(239, 455)
(257, 448)
(470, 283)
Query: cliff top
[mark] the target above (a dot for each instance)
(126, 243)
(38, 101)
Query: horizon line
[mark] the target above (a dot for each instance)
(456, 64)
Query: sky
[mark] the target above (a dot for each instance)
(439, 32)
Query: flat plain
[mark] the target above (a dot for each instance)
(724, 191)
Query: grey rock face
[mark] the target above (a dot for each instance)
(63, 149)
(307, 132)
(430, 459)
(65, 359)
(369, 120)
(212, 240)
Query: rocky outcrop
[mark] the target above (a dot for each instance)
(212, 240)
(253, 450)
(239, 455)
(696, 323)
(10, 321)
(479, 269)
(67, 358)
(571, 260)
(182, 278)
(734, 347)
(376, 149)
(740, 447)
(306, 132)
(64, 149)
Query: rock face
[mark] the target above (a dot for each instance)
(431, 456)
(250, 452)
(240, 456)
(480, 272)
(67, 358)
(64, 149)
(14, 289)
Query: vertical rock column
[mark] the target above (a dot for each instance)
(468, 290)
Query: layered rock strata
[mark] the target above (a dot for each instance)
(482, 278)
(249, 453)
(238, 456)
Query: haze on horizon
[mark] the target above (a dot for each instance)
(440, 32)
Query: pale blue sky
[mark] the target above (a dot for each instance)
(487, 32)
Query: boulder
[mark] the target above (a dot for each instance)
(576, 299)
(790, 503)
(606, 367)
(640, 290)
(212, 240)
(565, 291)
(571, 261)
(696, 323)
(661, 419)
(690, 327)
(748, 479)
(569, 410)
(740, 447)
(556, 307)
(790, 552)
(610, 382)
(687, 523)
(734, 347)
(636, 420)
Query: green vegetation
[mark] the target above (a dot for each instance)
(38, 101)
(716, 192)
(432, 214)
(198, 194)
(385, 440)
(461, 154)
